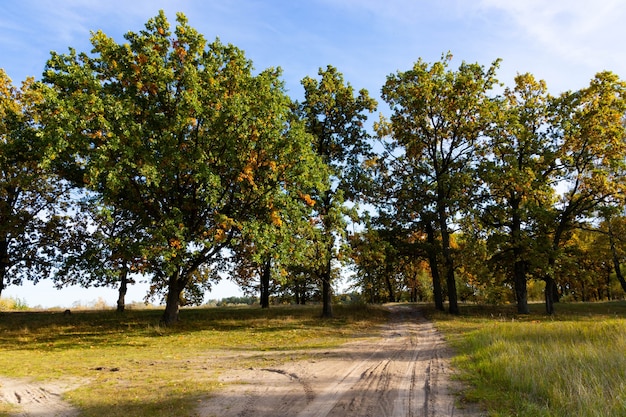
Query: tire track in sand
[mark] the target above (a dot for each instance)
(404, 373)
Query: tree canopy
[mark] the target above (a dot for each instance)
(181, 136)
(172, 157)
(32, 201)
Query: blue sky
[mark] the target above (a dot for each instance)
(564, 42)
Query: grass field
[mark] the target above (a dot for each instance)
(572, 364)
(131, 366)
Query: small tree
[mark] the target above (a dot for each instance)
(269, 247)
(32, 201)
(101, 249)
(334, 116)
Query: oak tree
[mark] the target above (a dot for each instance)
(516, 167)
(180, 134)
(591, 138)
(334, 115)
(438, 116)
(33, 202)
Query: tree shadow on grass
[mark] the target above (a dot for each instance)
(51, 331)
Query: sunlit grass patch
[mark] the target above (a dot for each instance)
(573, 364)
(12, 304)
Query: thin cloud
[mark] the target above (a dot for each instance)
(577, 31)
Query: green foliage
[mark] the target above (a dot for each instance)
(181, 137)
(32, 201)
(237, 301)
(388, 268)
(334, 116)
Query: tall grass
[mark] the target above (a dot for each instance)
(570, 365)
(12, 304)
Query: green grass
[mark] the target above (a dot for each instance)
(130, 365)
(572, 364)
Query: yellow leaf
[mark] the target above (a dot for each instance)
(276, 220)
(307, 199)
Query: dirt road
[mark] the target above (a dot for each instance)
(405, 372)
(38, 399)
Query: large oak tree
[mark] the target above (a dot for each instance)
(517, 165)
(180, 134)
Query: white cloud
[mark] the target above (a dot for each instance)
(578, 31)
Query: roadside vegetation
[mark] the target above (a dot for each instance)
(569, 364)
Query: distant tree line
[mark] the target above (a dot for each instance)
(170, 158)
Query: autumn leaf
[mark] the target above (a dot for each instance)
(276, 220)
(307, 199)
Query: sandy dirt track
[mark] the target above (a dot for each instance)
(35, 399)
(400, 370)
(404, 372)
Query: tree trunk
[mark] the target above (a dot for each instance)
(550, 293)
(391, 293)
(453, 306)
(327, 309)
(4, 263)
(172, 305)
(551, 290)
(519, 263)
(620, 277)
(616, 265)
(448, 262)
(121, 298)
(437, 289)
(265, 284)
(327, 289)
(327, 294)
(414, 289)
(434, 268)
(521, 291)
